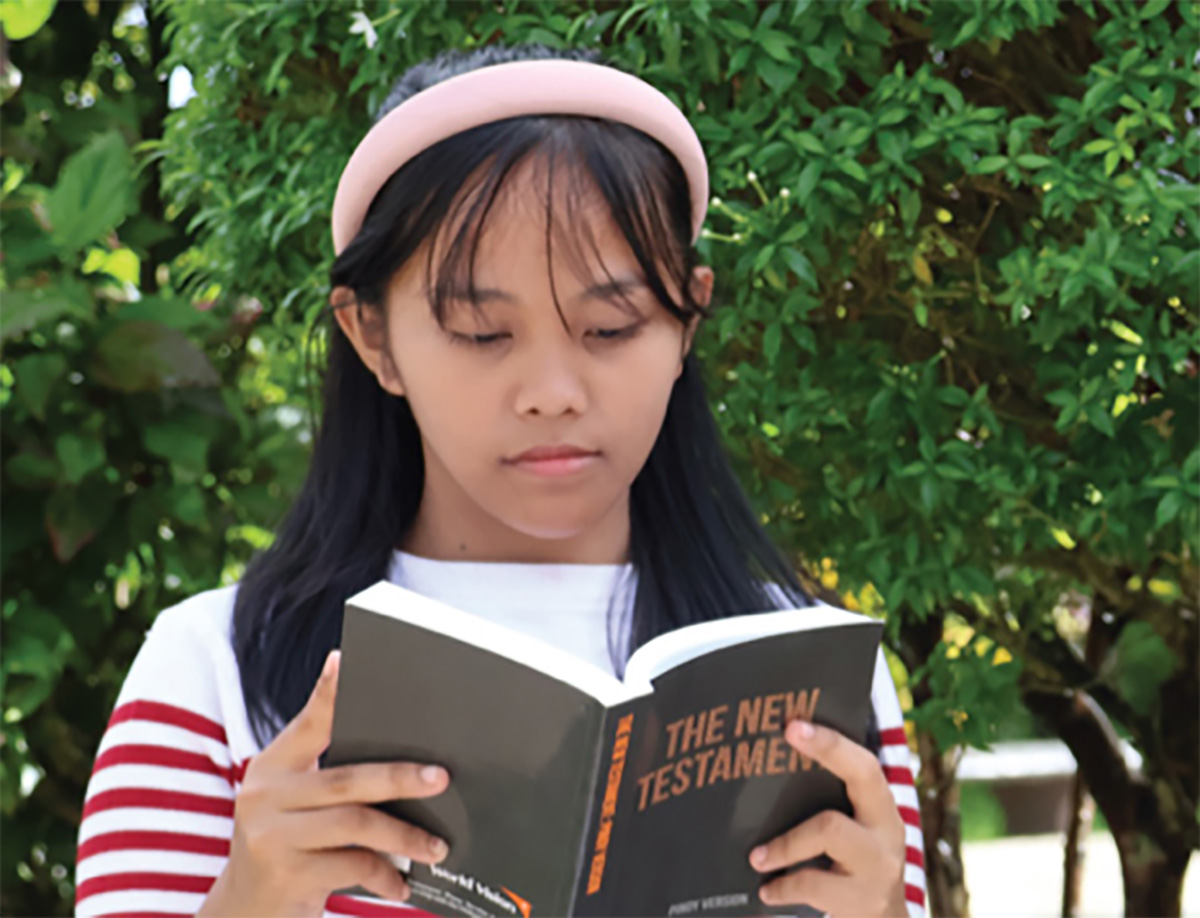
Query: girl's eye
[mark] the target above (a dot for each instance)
(604, 334)
(614, 334)
(476, 340)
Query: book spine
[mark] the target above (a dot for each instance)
(595, 879)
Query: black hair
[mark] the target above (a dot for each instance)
(696, 546)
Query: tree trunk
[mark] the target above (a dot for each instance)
(1153, 876)
(937, 789)
(1083, 806)
(1083, 811)
(941, 823)
(1154, 850)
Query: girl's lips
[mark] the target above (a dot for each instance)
(556, 468)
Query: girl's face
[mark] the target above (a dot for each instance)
(509, 377)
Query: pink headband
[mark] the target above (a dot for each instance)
(552, 87)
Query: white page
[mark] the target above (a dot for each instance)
(677, 647)
(649, 661)
(386, 598)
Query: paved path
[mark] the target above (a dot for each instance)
(1022, 876)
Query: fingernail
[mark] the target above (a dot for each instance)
(329, 661)
(802, 730)
(432, 774)
(758, 856)
(438, 847)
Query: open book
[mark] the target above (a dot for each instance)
(575, 793)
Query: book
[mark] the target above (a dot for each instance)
(573, 792)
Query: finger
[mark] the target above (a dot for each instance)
(350, 867)
(374, 782)
(307, 735)
(857, 766)
(850, 844)
(345, 826)
(827, 892)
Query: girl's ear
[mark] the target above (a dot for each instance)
(702, 284)
(366, 328)
(702, 287)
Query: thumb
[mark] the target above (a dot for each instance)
(302, 741)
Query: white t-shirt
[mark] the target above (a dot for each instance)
(158, 811)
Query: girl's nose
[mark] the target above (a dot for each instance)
(550, 382)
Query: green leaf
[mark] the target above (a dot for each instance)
(806, 141)
(990, 164)
(809, 176)
(75, 515)
(1142, 663)
(859, 136)
(799, 264)
(93, 194)
(738, 30)
(178, 443)
(122, 264)
(878, 406)
(853, 169)
(772, 338)
(780, 77)
(1168, 508)
(78, 454)
(1111, 159)
(36, 375)
(929, 492)
(953, 395)
(26, 308)
(1099, 417)
(910, 206)
(968, 31)
(186, 503)
(32, 470)
(1062, 397)
(1033, 161)
(142, 356)
(777, 44)
(22, 18)
(39, 645)
(1098, 146)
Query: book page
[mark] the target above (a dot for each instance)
(677, 647)
(385, 598)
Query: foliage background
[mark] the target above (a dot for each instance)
(955, 355)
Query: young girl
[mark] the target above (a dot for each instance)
(513, 424)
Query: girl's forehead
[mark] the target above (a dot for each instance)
(539, 212)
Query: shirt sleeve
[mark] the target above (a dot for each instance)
(896, 759)
(158, 810)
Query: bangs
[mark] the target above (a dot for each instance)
(577, 171)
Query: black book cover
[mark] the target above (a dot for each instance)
(573, 793)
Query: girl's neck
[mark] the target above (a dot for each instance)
(447, 537)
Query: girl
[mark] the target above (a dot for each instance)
(514, 424)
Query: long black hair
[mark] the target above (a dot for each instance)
(697, 549)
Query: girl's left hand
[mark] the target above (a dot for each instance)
(868, 849)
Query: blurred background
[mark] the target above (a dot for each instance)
(954, 355)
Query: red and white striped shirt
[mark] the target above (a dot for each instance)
(158, 812)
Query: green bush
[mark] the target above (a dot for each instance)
(955, 348)
(145, 444)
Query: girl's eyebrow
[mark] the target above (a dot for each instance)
(619, 286)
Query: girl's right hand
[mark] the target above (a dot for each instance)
(294, 823)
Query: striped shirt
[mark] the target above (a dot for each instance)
(158, 811)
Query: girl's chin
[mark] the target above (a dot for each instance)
(554, 527)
